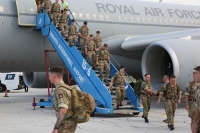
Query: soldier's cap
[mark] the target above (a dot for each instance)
(91, 35)
(72, 20)
(197, 68)
(85, 22)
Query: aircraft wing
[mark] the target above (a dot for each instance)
(141, 42)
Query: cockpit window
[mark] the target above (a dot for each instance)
(1, 9)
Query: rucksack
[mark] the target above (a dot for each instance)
(83, 104)
(137, 88)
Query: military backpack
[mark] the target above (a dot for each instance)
(137, 88)
(83, 104)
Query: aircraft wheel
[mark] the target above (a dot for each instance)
(136, 113)
(1, 89)
(92, 114)
(42, 100)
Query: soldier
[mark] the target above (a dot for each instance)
(39, 6)
(145, 96)
(98, 41)
(119, 79)
(47, 6)
(197, 111)
(190, 95)
(72, 33)
(63, 21)
(90, 49)
(55, 10)
(83, 33)
(165, 80)
(62, 103)
(171, 90)
(103, 60)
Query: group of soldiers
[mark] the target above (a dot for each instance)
(92, 49)
(170, 92)
(98, 55)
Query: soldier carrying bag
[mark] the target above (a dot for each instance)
(137, 88)
(83, 104)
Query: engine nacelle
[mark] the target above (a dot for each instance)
(35, 79)
(175, 56)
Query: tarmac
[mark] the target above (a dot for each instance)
(17, 116)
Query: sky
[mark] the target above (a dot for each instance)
(187, 2)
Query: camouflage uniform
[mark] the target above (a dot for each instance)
(103, 62)
(98, 42)
(84, 31)
(72, 35)
(145, 98)
(119, 80)
(55, 10)
(170, 93)
(47, 6)
(90, 45)
(63, 20)
(62, 98)
(191, 93)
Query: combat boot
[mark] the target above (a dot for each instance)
(142, 116)
(146, 120)
(171, 127)
(121, 104)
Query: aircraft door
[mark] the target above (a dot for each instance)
(27, 11)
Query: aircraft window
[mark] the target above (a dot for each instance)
(81, 15)
(172, 21)
(88, 16)
(182, 21)
(150, 20)
(101, 16)
(1, 9)
(166, 21)
(74, 14)
(127, 18)
(144, 20)
(156, 20)
(188, 22)
(94, 16)
(161, 21)
(177, 21)
(193, 22)
(138, 19)
(132, 19)
(120, 18)
(107, 17)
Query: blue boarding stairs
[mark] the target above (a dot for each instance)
(86, 78)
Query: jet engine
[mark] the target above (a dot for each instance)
(167, 57)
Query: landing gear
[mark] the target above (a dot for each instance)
(136, 113)
(92, 114)
(42, 100)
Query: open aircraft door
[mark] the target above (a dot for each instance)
(27, 11)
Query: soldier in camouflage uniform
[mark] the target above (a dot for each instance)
(72, 33)
(63, 23)
(90, 49)
(62, 103)
(83, 33)
(165, 80)
(47, 7)
(171, 90)
(197, 111)
(98, 41)
(103, 60)
(119, 79)
(55, 10)
(39, 6)
(145, 96)
(190, 99)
